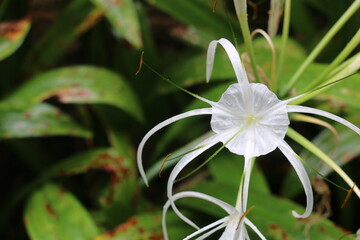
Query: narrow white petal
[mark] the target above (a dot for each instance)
(218, 224)
(304, 178)
(227, 207)
(210, 59)
(200, 148)
(201, 111)
(233, 56)
(211, 232)
(254, 228)
(302, 109)
(247, 172)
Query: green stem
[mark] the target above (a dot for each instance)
(241, 12)
(284, 38)
(354, 42)
(321, 45)
(325, 158)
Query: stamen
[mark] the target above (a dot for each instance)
(243, 215)
(163, 164)
(350, 191)
(140, 63)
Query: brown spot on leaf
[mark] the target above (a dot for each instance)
(49, 209)
(90, 21)
(117, 2)
(125, 226)
(322, 229)
(13, 30)
(27, 115)
(71, 94)
(278, 232)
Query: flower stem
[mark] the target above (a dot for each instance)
(321, 45)
(285, 35)
(241, 13)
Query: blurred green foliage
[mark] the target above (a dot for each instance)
(72, 112)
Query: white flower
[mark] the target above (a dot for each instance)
(249, 120)
(234, 223)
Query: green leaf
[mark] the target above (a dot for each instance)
(72, 22)
(52, 213)
(39, 120)
(12, 35)
(272, 215)
(119, 195)
(123, 17)
(77, 84)
(228, 168)
(146, 226)
(342, 96)
(199, 16)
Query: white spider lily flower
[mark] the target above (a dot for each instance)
(234, 223)
(249, 120)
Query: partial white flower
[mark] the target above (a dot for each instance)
(234, 223)
(249, 120)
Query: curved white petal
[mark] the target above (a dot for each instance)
(195, 112)
(302, 109)
(254, 228)
(211, 232)
(233, 56)
(215, 225)
(227, 207)
(200, 148)
(304, 178)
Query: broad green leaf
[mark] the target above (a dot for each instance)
(39, 120)
(146, 226)
(12, 35)
(197, 15)
(119, 194)
(272, 215)
(52, 213)
(123, 17)
(342, 96)
(228, 168)
(136, 228)
(76, 19)
(77, 84)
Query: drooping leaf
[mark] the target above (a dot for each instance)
(39, 120)
(77, 18)
(78, 84)
(52, 213)
(12, 35)
(123, 17)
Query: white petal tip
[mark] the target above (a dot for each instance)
(295, 214)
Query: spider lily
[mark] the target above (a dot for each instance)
(249, 120)
(234, 223)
